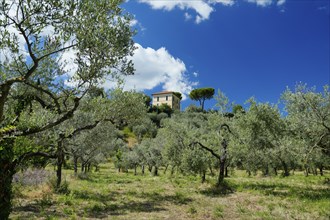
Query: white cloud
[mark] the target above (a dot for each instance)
(262, 3)
(187, 16)
(198, 19)
(203, 8)
(195, 74)
(224, 2)
(280, 2)
(157, 68)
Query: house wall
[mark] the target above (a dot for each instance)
(172, 100)
(176, 103)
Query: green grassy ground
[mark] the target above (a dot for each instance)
(111, 195)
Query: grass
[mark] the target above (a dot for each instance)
(218, 212)
(111, 195)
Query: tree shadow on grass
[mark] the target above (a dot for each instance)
(122, 208)
(216, 191)
(139, 202)
(37, 210)
(102, 178)
(306, 193)
(98, 197)
(284, 190)
(177, 199)
(102, 205)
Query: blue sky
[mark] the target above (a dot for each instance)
(243, 47)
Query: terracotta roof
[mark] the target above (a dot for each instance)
(163, 92)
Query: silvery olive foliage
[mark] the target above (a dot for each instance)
(263, 139)
(181, 132)
(52, 52)
(309, 120)
(103, 117)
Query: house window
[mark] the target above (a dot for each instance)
(166, 98)
(157, 99)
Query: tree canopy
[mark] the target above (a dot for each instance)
(201, 95)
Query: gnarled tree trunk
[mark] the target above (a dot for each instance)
(285, 169)
(222, 161)
(60, 161)
(156, 171)
(75, 165)
(6, 176)
(203, 174)
(321, 170)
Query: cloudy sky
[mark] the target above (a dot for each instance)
(243, 47)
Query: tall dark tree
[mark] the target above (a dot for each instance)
(201, 95)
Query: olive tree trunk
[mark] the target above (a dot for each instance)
(203, 174)
(6, 176)
(222, 161)
(155, 171)
(60, 161)
(286, 171)
(75, 165)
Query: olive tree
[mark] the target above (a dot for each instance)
(175, 134)
(214, 139)
(195, 141)
(94, 127)
(309, 118)
(150, 151)
(93, 146)
(132, 159)
(266, 141)
(51, 53)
